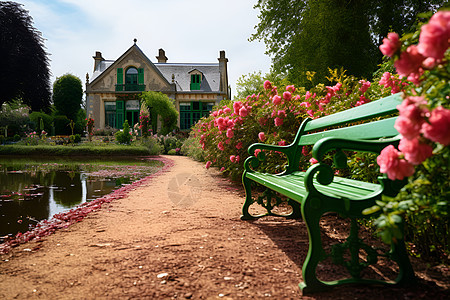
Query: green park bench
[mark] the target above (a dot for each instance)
(318, 191)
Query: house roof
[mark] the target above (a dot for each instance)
(210, 81)
(106, 64)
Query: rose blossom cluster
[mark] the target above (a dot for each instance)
(421, 128)
(433, 43)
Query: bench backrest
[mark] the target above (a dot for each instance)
(312, 131)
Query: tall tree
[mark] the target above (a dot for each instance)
(68, 95)
(24, 64)
(303, 35)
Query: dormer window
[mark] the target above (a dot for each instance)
(131, 76)
(196, 80)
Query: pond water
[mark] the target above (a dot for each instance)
(32, 190)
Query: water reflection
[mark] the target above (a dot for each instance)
(27, 198)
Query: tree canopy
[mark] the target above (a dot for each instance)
(24, 65)
(68, 95)
(161, 105)
(303, 35)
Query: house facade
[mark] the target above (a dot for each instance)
(113, 89)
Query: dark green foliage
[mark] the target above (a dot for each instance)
(24, 64)
(62, 125)
(124, 136)
(81, 150)
(75, 139)
(161, 105)
(316, 35)
(36, 117)
(67, 95)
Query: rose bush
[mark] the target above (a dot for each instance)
(424, 123)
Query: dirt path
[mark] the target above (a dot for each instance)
(177, 236)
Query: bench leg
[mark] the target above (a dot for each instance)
(315, 254)
(248, 200)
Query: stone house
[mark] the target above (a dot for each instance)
(112, 93)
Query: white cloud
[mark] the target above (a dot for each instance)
(189, 31)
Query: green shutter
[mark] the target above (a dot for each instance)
(119, 76)
(140, 76)
(120, 113)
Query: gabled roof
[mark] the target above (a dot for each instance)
(105, 65)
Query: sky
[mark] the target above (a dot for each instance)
(190, 31)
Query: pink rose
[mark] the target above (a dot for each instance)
(276, 100)
(230, 133)
(243, 112)
(233, 158)
(407, 128)
(438, 128)
(262, 136)
(434, 36)
(391, 163)
(290, 88)
(239, 145)
(313, 161)
(414, 151)
(267, 85)
(307, 96)
(282, 113)
(278, 121)
(410, 61)
(220, 146)
(237, 106)
(257, 152)
(391, 44)
(282, 143)
(365, 85)
(287, 96)
(208, 164)
(305, 104)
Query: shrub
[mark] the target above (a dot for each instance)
(62, 125)
(152, 144)
(123, 136)
(37, 117)
(162, 106)
(274, 117)
(169, 142)
(424, 123)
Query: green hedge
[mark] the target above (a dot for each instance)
(117, 150)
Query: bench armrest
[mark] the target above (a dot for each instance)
(254, 161)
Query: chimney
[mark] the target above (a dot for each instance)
(162, 58)
(223, 74)
(97, 59)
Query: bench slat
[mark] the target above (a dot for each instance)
(382, 107)
(374, 130)
(292, 186)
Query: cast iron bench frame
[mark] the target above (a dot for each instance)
(317, 191)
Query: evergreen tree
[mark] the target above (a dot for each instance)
(24, 64)
(68, 95)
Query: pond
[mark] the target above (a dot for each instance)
(32, 190)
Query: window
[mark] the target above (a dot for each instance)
(131, 76)
(110, 114)
(191, 112)
(195, 82)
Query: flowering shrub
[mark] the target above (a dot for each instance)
(90, 127)
(32, 139)
(144, 120)
(273, 117)
(424, 123)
